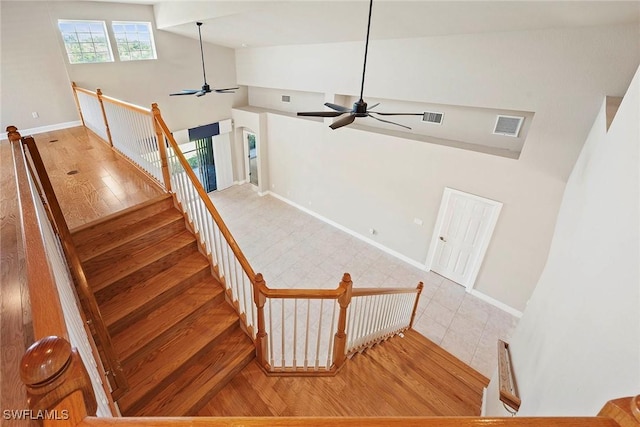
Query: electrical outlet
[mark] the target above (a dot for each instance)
(35, 115)
(417, 221)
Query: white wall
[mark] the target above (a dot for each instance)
(33, 77)
(362, 180)
(35, 68)
(578, 343)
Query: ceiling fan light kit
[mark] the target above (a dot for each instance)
(205, 87)
(360, 108)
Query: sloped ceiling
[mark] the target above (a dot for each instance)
(267, 23)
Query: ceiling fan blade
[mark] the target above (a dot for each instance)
(201, 93)
(321, 113)
(398, 114)
(343, 122)
(337, 107)
(185, 92)
(227, 90)
(387, 121)
(373, 106)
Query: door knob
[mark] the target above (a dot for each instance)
(443, 239)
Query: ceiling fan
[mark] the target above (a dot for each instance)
(359, 108)
(205, 87)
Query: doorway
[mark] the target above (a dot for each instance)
(461, 236)
(252, 156)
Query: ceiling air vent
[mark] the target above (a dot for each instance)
(432, 117)
(286, 98)
(508, 125)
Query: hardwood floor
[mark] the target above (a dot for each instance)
(104, 183)
(408, 376)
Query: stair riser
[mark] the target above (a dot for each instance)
(128, 407)
(125, 241)
(125, 321)
(149, 270)
(193, 411)
(93, 233)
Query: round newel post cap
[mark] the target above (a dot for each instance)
(346, 277)
(45, 360)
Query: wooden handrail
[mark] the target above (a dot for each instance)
(45, 303)
(87, 297)
(242, 259)
(362, 292)
(74, 89)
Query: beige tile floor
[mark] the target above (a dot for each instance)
(295, 250)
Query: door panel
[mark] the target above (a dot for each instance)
(463, 230)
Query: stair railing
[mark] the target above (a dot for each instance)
(296, 331)
(63, 394)
(128, 128)
(49, 276)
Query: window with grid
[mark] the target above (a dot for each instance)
(134, 40)
(85, 41)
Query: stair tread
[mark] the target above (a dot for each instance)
(152, 370)
(107, 274)
(93, 230)
(163, 318)
(115, 237)
(203, 379)
(128, 301)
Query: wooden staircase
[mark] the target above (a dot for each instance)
(177, 338)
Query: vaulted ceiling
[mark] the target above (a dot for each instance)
(266, 23)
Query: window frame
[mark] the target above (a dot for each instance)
(152, 50)
(79, 42)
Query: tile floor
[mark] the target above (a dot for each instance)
(295, 250)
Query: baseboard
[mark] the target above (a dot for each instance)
(42, 129)
(480, 295)
(243, 181)
(349, 231)
(502, 306)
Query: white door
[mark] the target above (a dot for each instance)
(461, 236)
(223, 162)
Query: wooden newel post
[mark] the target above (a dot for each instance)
(340, 340)
(104, 116)
(12, 134)
(57, 381)
(261, 335)
(415, 304)
(162, 148)
(74, 88)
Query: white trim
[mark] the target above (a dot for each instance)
(497, 207)
(349, 231)
(43, 129)
(483, 408)
(242, 181)
(502, 306)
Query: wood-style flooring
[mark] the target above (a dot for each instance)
(408, 376)
(89, 178)
(403, 376)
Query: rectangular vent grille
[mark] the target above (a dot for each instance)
(286, 98)
(508, 125)
(432, 117)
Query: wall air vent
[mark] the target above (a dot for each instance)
(286, 98)
(432, 117)
(508, 125)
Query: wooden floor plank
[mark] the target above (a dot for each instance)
(375, 383)
(82, 195)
